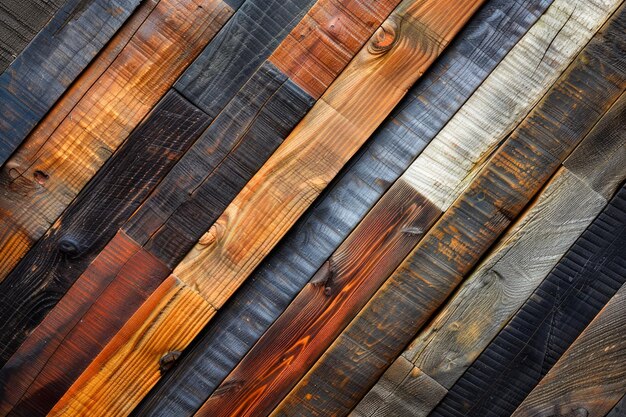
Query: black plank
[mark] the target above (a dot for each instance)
(425, 110)
(219, 164)
(55, 57)
(44, 275)
(238, 50)
(589, 274)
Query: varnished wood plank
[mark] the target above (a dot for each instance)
(160, 326)
(19, 23)
(38, 182)
(62, 346)
(266, 294)
(54, 58)
(590, 378)
(449, 250)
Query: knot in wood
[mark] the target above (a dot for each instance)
(384, 38)
(167, 361)
(41, 177)
(211, 236)
(69, 246)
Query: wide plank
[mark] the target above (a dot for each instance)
(450, 249)
(39, 182)
(438, 94)
(590, 378)
(55, 57)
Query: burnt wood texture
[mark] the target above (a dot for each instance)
(55, 57)
(424, 111)
(473, 222)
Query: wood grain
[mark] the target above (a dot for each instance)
(590, 378)
(62, 346)
(54, 58)
(39, 281)
(515, 173)
(38, 183)
(160, 326)
(261, 299)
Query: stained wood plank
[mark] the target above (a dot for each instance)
(62, 346)
(38, 182)
(424, 280)
(19, 23)
(590, 378)
(54, 58)
(513, 270)
(143, 341)
(442, 90)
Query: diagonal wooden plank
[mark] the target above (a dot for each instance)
(515, 173)
(46, 173)
(442, 90)
(52, 61)
(590, 378)
(513, 270)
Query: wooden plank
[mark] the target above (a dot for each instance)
(19, 23)
(620, 408)
(39, 281)
(160, 327)
(51, 62)
(39, 182)
(261, 299)
(62, 346)
(517, 170)
(590, 378)
(556, 313)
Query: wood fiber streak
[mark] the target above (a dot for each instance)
(548, 322)
(236, 52)
(77, 330)
(19, 23)
(34, 287)
(241, 322)
(218, 165)
(590, 378)
(325, 306)
(38, 183)
(513, 175)
(109, 386)
(55, 57)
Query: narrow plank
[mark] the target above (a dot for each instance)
(346, 118)
(516, 172)
(428, 106)
(513, 270)
(59, 349)
(39, 281)
(51, 62)
(556, 313)
(144, 341)
(191, 199)
(38, 183)
(590, 378)
(19, 23)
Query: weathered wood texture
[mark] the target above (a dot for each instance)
(620, 409)
(46, 173)
(549, 321)
(525, 255)
(53, 264)
(590, 378)
(515, 173)
(427, 107)
(55, 57)
(19, 23)
(160, 326)
(59, 349)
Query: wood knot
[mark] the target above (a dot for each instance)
(167, 361)
(69, 246)
(211, 236)
(384, 38)
(41, 177)
(324, 278)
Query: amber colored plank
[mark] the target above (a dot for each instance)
(60, 348)
(38, 182)
(590, 377)
(158, 331)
